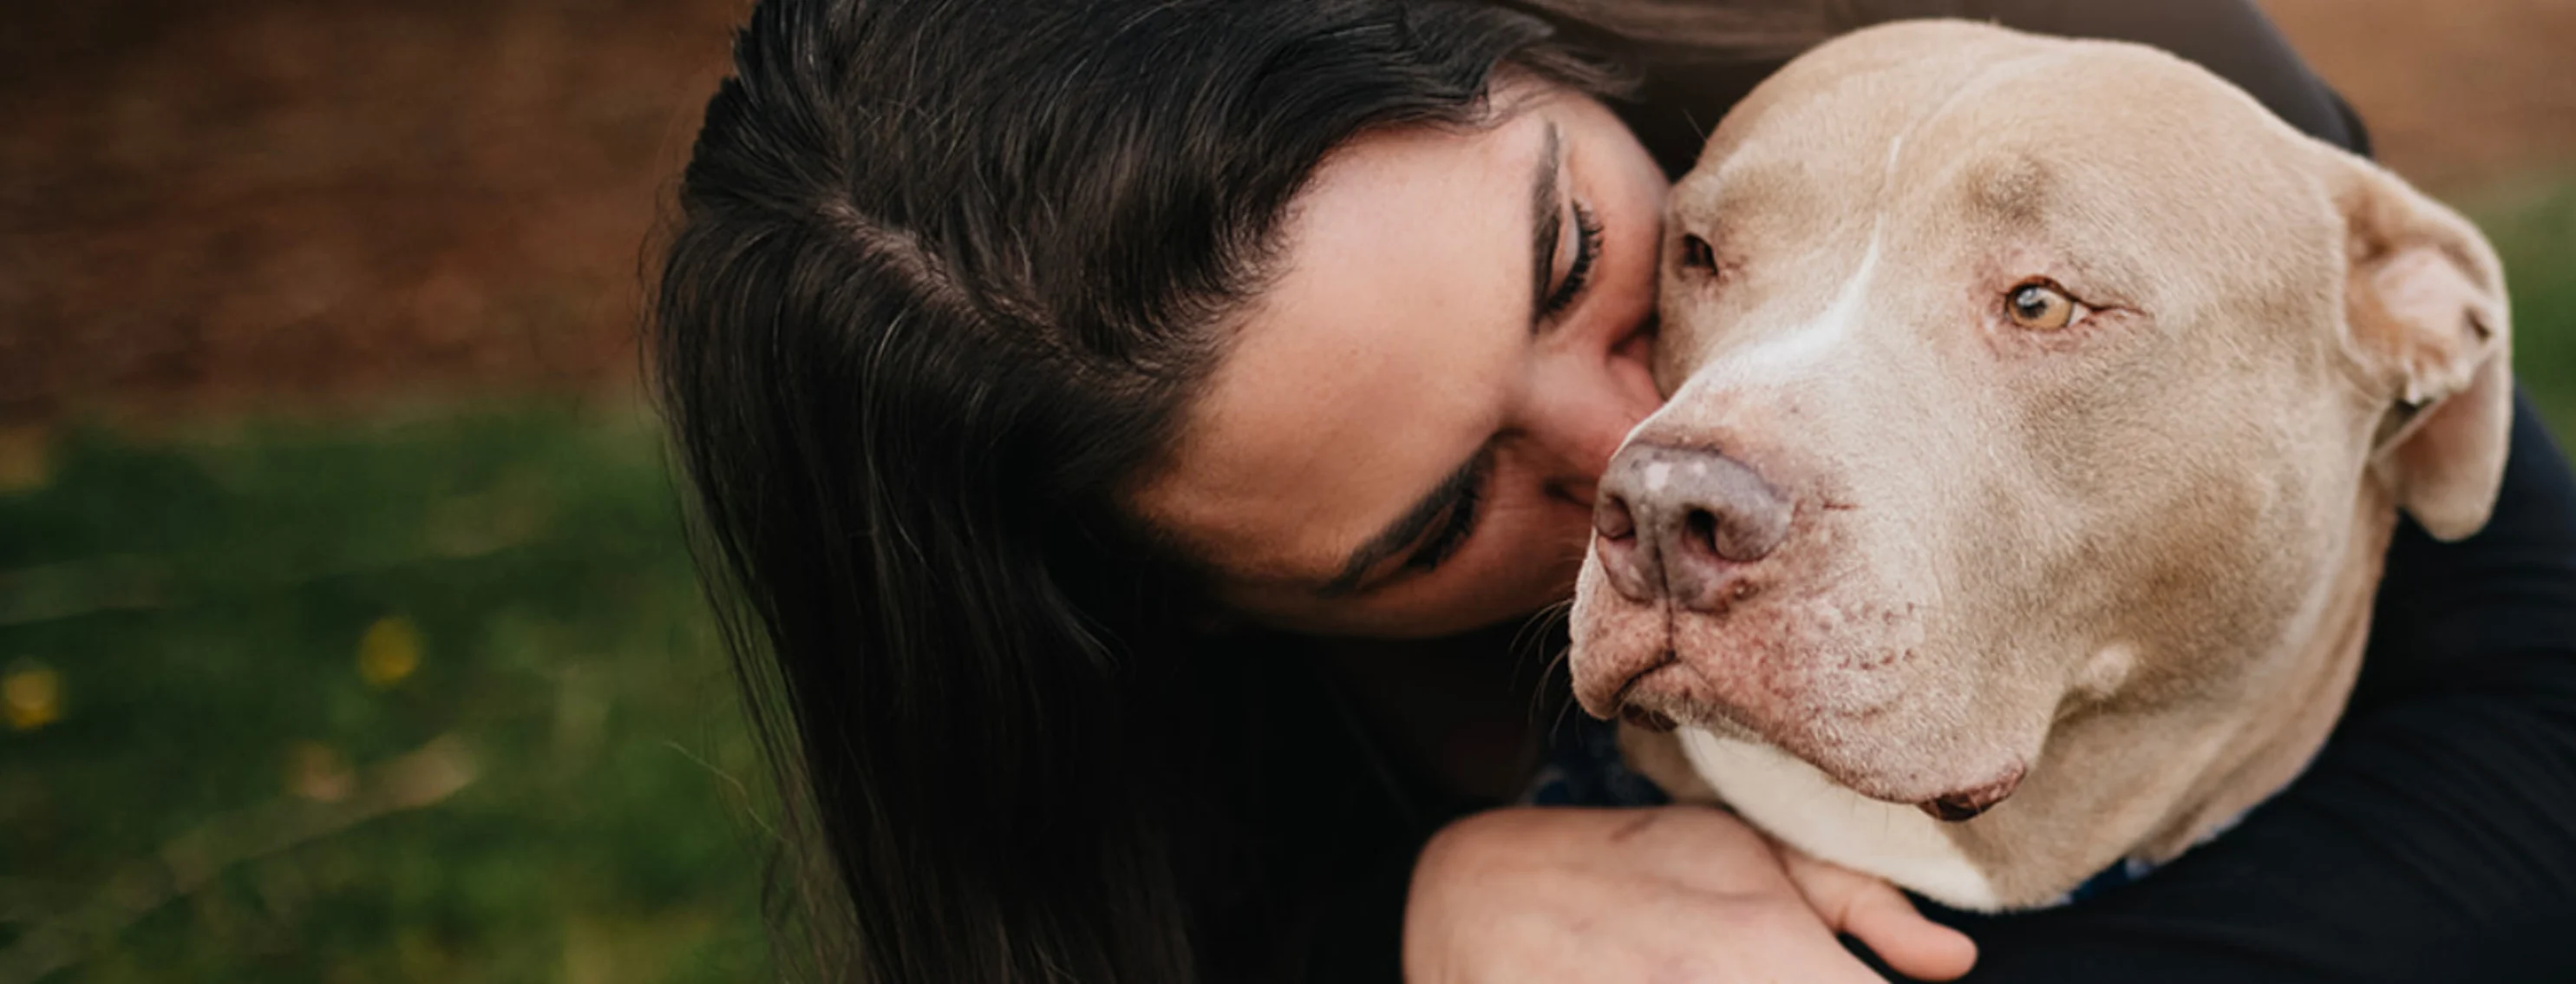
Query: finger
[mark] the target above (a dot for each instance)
(1875, 913)
(1880, 917)
(1782, 939)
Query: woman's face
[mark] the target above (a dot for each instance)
(1404, 436)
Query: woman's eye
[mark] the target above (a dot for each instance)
(1587, 252)
(1456, 526)
(1445, 544)
(2042, 306)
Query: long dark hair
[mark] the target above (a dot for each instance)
(944, 274)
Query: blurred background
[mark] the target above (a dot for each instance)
(346, 631)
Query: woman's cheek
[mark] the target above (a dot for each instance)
(1634, 328)
(1632, 369)
(1551, 533)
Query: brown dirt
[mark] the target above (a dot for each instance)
(308, 204)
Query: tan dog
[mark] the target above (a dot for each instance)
(2041, 410)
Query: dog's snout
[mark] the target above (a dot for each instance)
(1677, 522)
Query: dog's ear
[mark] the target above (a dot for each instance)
(2429, 324)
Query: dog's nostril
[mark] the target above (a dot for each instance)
(1611, 519)
(1673, 523)
(1740, 531)
(1699, 529)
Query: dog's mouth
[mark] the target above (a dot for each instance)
(1623, 703)
(1658, 698)
(1968, 804)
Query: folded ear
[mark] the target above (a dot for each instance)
(2429, 323)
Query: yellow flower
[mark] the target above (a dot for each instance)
(31, 696)
(389, 652)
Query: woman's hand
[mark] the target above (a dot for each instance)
(1673, 894)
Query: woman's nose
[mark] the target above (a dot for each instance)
(1576, 430)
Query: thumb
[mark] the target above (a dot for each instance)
(1875, 913)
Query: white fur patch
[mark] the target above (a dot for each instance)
(1798, 804)
(2107, 671)
(1658, 475)
(1816, 343)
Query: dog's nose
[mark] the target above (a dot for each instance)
(1677, 522)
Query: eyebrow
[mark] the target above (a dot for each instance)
(1547, 224)
(1547, 227)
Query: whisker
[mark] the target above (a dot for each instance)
(1542, 642)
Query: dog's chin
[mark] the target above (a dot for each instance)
(1863, 708)
(1972, 774)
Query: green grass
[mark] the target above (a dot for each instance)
(2535, 231)
(203, 603)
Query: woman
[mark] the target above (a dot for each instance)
(1134, 432)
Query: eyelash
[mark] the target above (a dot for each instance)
(1587, 250)
(1456, 527)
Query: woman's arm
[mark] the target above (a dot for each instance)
(1675, 893)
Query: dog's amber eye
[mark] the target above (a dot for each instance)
(2040, 307)
(1697, 254)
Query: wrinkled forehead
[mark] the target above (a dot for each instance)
(2009, 128)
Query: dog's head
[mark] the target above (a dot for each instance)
(2012, 375)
